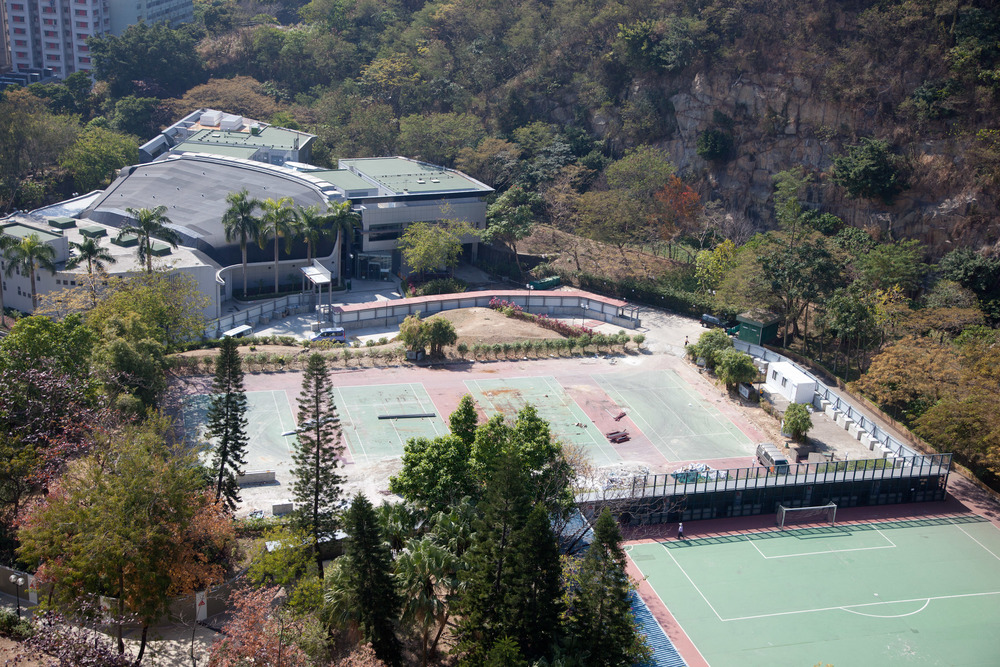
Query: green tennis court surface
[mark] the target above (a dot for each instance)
(268, 416)
(919, 592)
(508, 396)
(371, 439)
(679, 422)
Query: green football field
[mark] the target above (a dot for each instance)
(918, 592)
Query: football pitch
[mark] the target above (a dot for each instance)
(916, 592)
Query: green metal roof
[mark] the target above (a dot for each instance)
(93, 231)
(343, 179)
(159, 248)
(244, 152)
(23, 232)
(401, 175)
(270, 137)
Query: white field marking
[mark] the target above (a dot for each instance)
(637, 418)
(909, 613)
(639, 569)
(357, 437)
(891, 545)
(974, 539)
(420, 402)
(694, 585)
(576, 411)
(281, 422)
(849, 607)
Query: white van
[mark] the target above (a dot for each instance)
(239, 332)
(772, 458)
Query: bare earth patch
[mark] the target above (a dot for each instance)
(486, 326)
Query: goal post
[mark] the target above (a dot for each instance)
(800, 515)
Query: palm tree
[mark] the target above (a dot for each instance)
(312, 227)
(278, 221)
(342, 219)
(6, 243)
(29, 254)
(147, 223)
(427, 576)
(91, 252)
(239, 221)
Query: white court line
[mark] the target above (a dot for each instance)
(652, 588)
(281, 422)
(818, 553)
(849, 607)
(357, 437)
(694, 585)
(574, 408)
(974, 539)
(420, 402)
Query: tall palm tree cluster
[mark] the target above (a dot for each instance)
(281, 219)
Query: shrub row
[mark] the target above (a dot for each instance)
(13, 627)
(437, 286)
(515, 311)
(643, 291)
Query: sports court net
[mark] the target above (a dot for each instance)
(788, 516)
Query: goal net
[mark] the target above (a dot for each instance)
(789, 516)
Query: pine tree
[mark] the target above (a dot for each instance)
(370, 585)
(511, 585)
(227, 423)
(534, 600)
(317, 455)
(600, 620)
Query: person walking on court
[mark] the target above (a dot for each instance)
(685, 341)
(680, 530)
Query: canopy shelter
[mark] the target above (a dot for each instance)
(320, 276)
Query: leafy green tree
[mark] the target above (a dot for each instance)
(277, 222)
(240, 223)
(413, 332)
(712, 266)
(130, 361)
(317, 455)
(95, 256)
(227, 423)
(147, 223)
(734, 367)
(67, 343)
(139, 116)
(438, 137)
(370, 586)
(869, 170)
(133, 524)
(796, 421)
(714, 145)
(97, 155)
(169, 303)
(535, 590)
(511, 218)
(436, 472)
(599, 616)
(889, 264)
(312, 227)
(427, 246)
(709, 346)
(464, 420)
(439, 332)
(28, 256)
(162, 60)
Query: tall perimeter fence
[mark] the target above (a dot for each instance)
(899, 474)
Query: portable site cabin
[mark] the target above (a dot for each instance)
(758, 327)
(785, 379)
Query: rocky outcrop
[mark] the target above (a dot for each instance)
(782, 120)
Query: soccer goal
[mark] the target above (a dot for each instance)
(788, 516)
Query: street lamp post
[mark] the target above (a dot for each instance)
(18, 582)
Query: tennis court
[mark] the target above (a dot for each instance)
(371, 439)
(567, 421)
(678, 420)
(914, 592)
(268, 416)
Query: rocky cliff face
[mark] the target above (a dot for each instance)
(780, 120)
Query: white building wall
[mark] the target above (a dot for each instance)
(786, 380)
(389, 213)
(54, 33)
